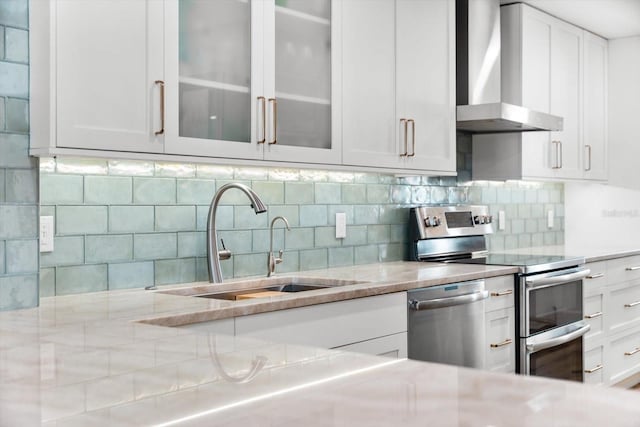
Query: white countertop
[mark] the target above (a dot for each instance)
(84, 361)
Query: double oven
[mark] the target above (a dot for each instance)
(548, 289)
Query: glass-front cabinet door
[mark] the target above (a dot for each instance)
(214, 56)
(252, 79)
(301, 112)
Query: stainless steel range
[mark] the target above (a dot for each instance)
(549, 313)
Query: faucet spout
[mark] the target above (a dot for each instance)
(272, 260)
(213, 257)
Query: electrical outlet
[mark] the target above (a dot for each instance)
(501, 220)
(46, 234)
(550, 219)
(341, 225)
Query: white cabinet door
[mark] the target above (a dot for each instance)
(500, 346)
(425, 82)
(594, 369)
(566, 96)
(393, 346)
(108, 56)
(330, 325)
(214, 56)
(302, 77)
(596, 164)
(370, 130)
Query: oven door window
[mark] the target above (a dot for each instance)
(553, 306)
(562, 362)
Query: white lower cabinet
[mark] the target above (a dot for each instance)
(500, 329)
(623, 356)
(393, 346)
(594, 372)
(330, 325)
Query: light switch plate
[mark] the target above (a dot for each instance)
(501, 220)
(341, 225)
(550, 219)
(46, 234)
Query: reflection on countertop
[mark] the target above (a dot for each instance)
(84, 360)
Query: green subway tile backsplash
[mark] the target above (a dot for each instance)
(159, 237)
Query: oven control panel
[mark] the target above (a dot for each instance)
(452, 221)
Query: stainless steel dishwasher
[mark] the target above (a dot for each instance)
(447, 324)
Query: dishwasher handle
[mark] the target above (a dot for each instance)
(448, 302)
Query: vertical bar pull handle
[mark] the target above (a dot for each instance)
(161, 131)
(558, 145)
(588, 147)
(403, 125)
(274, 103)
(561, 155)
(263, 102)
(413, 138)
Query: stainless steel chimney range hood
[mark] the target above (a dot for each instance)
(480, 106)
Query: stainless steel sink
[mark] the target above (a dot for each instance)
(260, 288)
(266, 291)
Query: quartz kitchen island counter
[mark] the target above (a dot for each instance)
(85, 360)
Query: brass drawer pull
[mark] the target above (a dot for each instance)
(503, 343)
(592, 370)
(594, 315)
(633, 268)
(502, 293)
(161, 131)
(595, 276)
(413, 137)
(631, 353)
(633, 304)
(263, 102)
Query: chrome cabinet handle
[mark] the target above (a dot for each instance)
(558, 165)
(263, 101)
(413, 137)
(631, 353)
(502, 344)
(632, 304)
(274, 103)
(403, 124)
(594, 369)
(632, 268)
(595, 276)
(594, 315)
(588, 147)
(161, 131)
(448, 302)
(502, 293)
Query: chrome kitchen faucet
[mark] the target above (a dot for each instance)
(272, 260)
(213, 254)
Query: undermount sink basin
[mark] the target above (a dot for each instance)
(263, 292)
(260, 288)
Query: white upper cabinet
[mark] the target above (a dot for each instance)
(96, 86)
(554, 67)
(251, 79)
(399, 84)
(596, 133)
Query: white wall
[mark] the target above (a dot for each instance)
(600, 218)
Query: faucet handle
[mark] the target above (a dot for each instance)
(224, 253)
(279, 258)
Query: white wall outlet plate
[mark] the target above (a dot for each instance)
(46, 234)
(341, 225)
(501, 220)
(550, 219)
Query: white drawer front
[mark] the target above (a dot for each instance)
(594, 314)
(598, 277)
(624, 306)
(623, 357)
(500, 341)
(594, 365)
(501, 292)
(623, 269)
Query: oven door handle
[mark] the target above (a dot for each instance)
(448, 302)
(556, 280)
(553, 342)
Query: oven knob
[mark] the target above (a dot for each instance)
(476, 219)
(488, 219)
(427, 222)
(435, 221)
